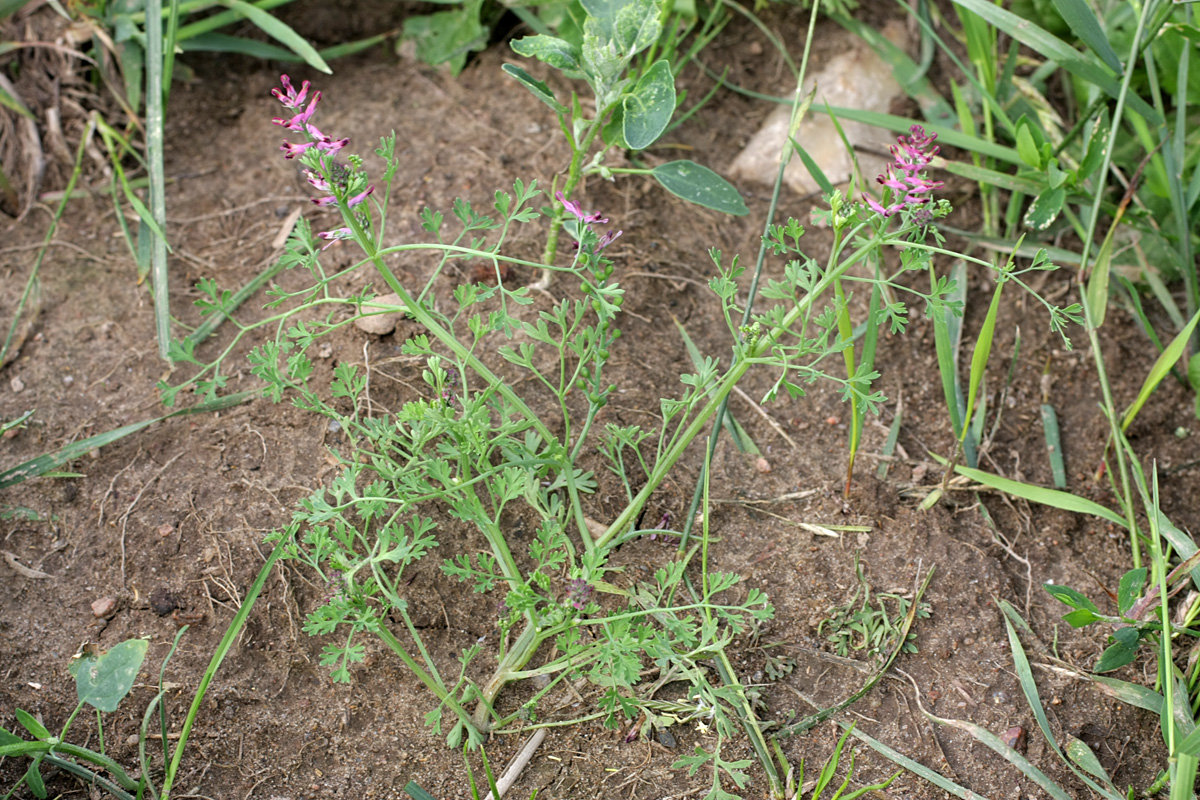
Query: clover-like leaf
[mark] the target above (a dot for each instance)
(102, 681)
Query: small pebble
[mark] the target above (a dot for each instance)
(16, 384)
(380, 324)
(999, 698)
(762, 465)
(831, 420)
(68, 380)
(104, 608)
(166, 529)
(666, 738)
(1014, 737)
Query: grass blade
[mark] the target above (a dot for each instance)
(1029, 687)
(889, 444)
(916, 768)
(1162, 366)
(1083, 65)
(48, 461)
(1083, 23)
(1039, 494)
(1054, 446)
(280, 32)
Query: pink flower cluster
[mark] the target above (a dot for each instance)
(905, 175)
(576, 211)
(293, 98)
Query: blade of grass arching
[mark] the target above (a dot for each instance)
(867, 366)
(1097, 285)
(983, 175)
(1029, 688)
(945, 346)
(983, 349)
(280, 32)
(32, 281)
(994, 743)
(1139, 315)
(1037, 494)
(1083, 22)
(231, 633)
(889, 444)
(215, 42)
(1162, 365)
(915, 767)
(1054, 446)
(1083, 65)
(737, 433)
(814, 169)
(1125, 493)
(846, 333)
(155, 119)
(49, 461)
(910, 76)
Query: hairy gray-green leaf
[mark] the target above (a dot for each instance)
(648, 108)
(551, 50)
(1045, 209)
(700, 185)
(540, 90)
(103, 681)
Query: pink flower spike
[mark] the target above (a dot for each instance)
(358, 198)
(292, 98)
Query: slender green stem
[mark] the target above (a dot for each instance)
(431, 684)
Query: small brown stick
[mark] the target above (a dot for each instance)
(518, 765)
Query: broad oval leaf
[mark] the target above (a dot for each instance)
(551, 50)
(648, 108)
(30, 723)
(700, 185)
(1130, 588)
(540, 90)
(103, 681)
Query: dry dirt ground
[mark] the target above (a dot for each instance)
(171, 521)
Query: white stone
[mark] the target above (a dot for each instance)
(855, 78)
(379, 324)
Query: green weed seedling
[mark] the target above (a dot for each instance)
(866, 625)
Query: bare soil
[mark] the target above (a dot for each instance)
(171, 521)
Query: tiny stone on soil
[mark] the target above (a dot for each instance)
(16, 384)
(104, 608)
(762, 465)
(1014, 737)
(379, 324)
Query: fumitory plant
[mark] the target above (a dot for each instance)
(469, 445)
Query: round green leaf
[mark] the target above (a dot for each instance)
(104, 680)
(700, 185)
(648, 108)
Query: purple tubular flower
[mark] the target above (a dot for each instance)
(574, 209)
(291, 150)
(910, 188)
(334, 236)
(607, 239)
(300, 121)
